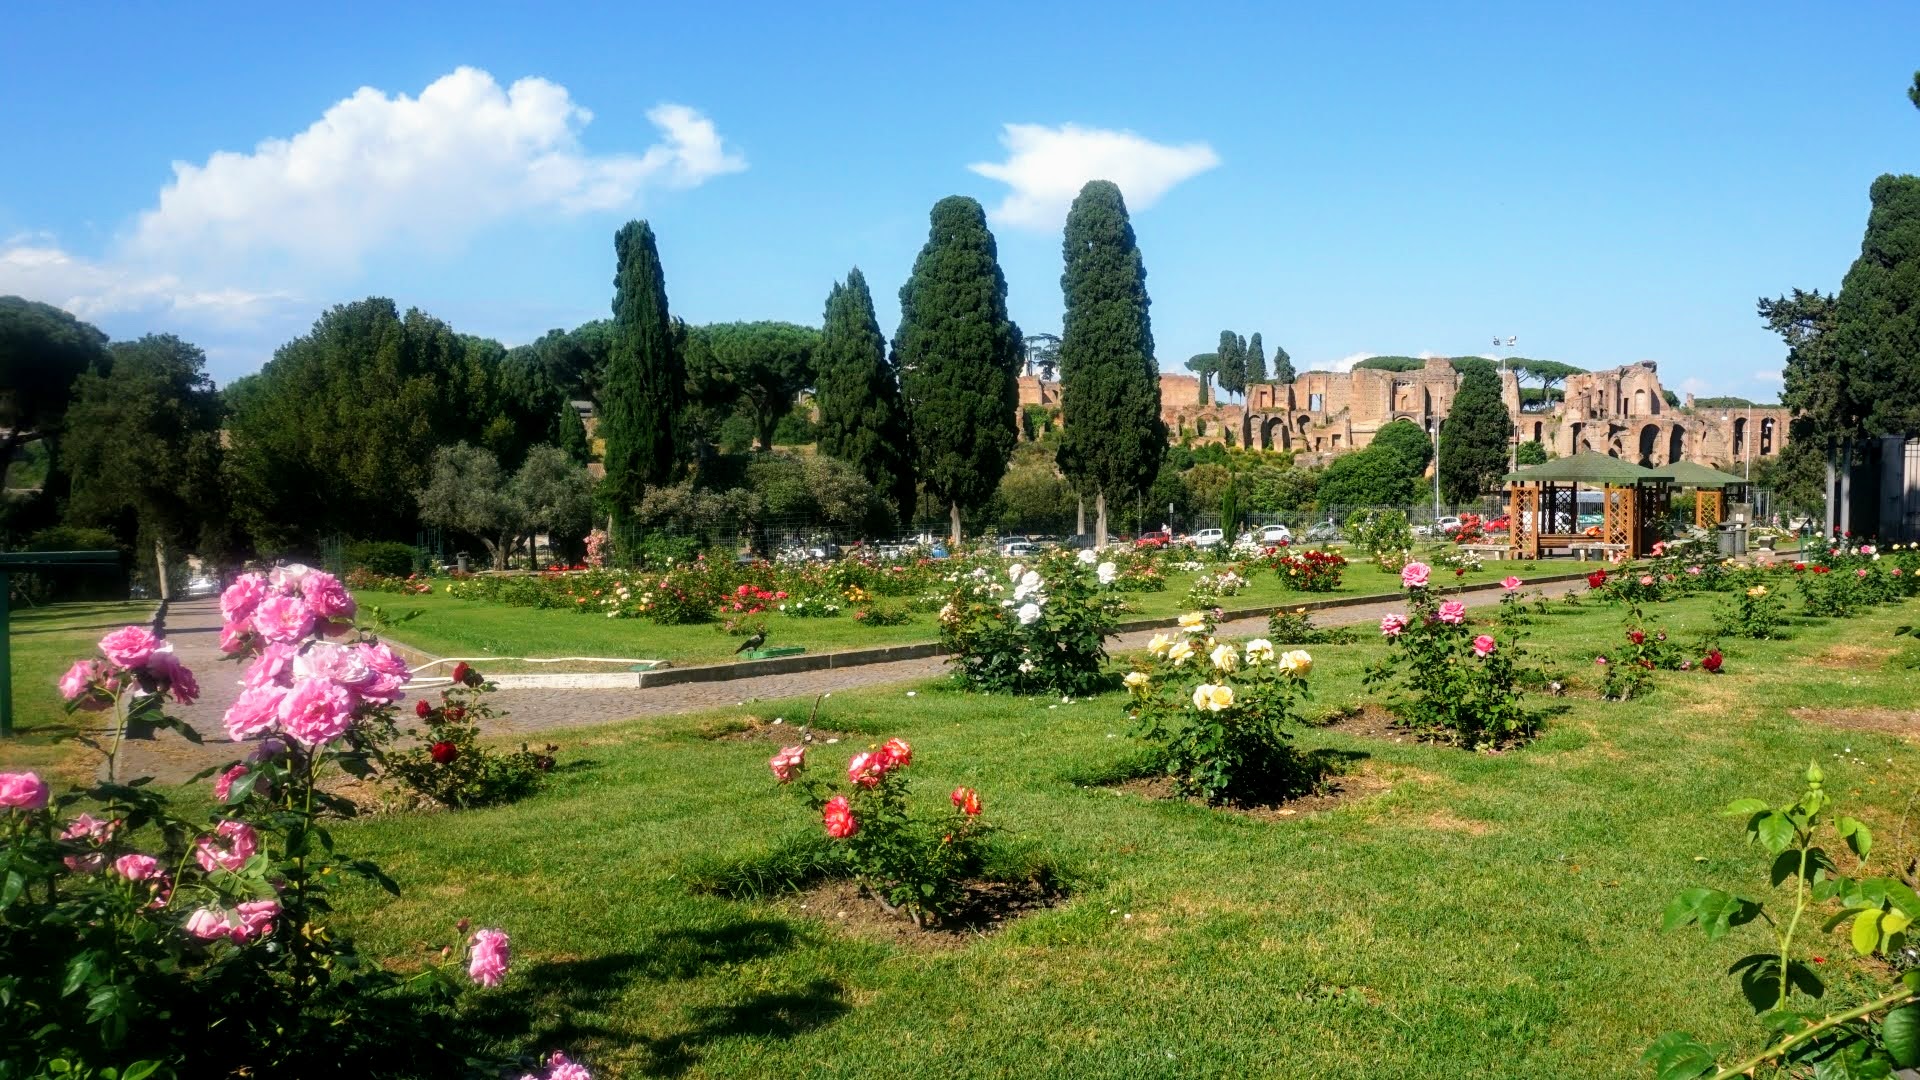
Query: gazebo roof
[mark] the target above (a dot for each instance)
(1587, 467)
(1695, 475)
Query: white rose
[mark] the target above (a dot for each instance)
(1210, 697)
(1028, 614)
(1225, 658)
(1107, 572)
(1087, 555)
(1159, 645)
(1259, 651)
(1014, 572)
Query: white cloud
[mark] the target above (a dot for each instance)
(1694, 385)
(377, 172)
(91, 289)
(1046, 167)
(1349, 361)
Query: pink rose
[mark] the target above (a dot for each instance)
(1483, 646)
(1693, 571)
(867, 769)
(241, 597)
(1391, 625)
(136, 867)
(1646, 579)
(381, 658)
(78, 679)
(316, 712)
(256, 710)
(1862, 572)
(326, 596)
(560, 1067)
(256, 919)
(837, 815)
(789, 761)
(898, 754)
(273, 667)
(232, 844)
(129, 646)
(166, 667)
(207, 924)
(22, 791)
(89, 828)
(489, 958)
(289, 578)
(338, 664)
(1453, 612)
(283, 618)
(85, 864)
(1510, 583)
(1414, 575)
(223, 784)
(233, 637)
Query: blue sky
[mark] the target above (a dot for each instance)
(1612, 184)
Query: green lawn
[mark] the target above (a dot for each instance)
(1488, 915)
(45, 641)
(448, 626)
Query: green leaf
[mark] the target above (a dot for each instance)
(1857, 835)
(1678, 1056)
(1866, 931)
(78, 971)
(242, 787)
(1775, 831)
(11, 889)
(1900, 1032)
(1745, 807)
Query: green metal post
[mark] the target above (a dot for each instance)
(6, 656)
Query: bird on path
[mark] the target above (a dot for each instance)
(758, 639)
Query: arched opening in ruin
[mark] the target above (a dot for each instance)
(1766, 435)
(1649, 445)
(1200, 428)
(1274, 426)
(1676, 444)
(1739, 438)
(1538, 427)
(1640, 403)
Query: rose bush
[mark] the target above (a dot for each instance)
(1309, 570)
(1448, 680)
(1032, 630)
(451, 766)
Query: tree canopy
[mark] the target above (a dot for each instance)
(1256, 360)
(1474, 439)
(1282, 366)
(1233, 362)
(863, 418)
(959, 357)
(1206, 365)
(1876, 319)
(42, 351)
(645, 381)
(764, 364)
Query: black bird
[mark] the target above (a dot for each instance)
(758, 639)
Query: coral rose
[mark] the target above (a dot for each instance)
(788, 762)
(967, 801)
(837, 815)
(1483, 646)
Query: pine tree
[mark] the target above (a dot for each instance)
(863, 420)
(1473, 441)
(1282, 366)
(1206, 365)
(1113, 437)
(959, 356)
(573, 435)
(645, 380)
(1256, 360)
(1876, 320)
(1233, 363)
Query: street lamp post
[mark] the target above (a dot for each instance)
(1513, 442)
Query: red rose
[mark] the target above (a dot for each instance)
(443, 752)
(966, 800)
(1636, 636)
(421, 708)
(1713, 661)
(1596, 579)
(461, 671)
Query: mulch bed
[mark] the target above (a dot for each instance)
(762, 730)
(987, 907)
(1335, 791)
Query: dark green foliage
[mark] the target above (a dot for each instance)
(958, 354)
(1876, 320)
(573, 435)
(1405, 440)
(1474, 440)
(1043, 355)
(645, 381)
(1282, 366)
(1530, 453)
(1369, 477)
(863, 419)
(334, 434)
(144, 447)
(1206, 365)
(1256, 360)
(42, 351)
(1233, 362)
(1113, 438)
(761, 365)
(1731, 403)
(386, 557)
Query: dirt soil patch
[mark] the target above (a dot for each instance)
(986, 907)
(1904, 723)
(1854, 657)
(762, 730)
(1335, 791)
(1369, 720)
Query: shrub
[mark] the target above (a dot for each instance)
(811, 607)
(1628, 670)
(450, 766)
(1829, 594)
(385, 558)
(1041, 630)
(1756, 612)
(881, 615)
(1309, 571)
(1448, 681)
(1296, 628)
(1379, 532)
(1208, 590)
(1219, 713)
(916, 865)
(1869, 1039)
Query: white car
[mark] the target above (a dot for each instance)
(1274, 534)
(1206, 538)
(1449, 525)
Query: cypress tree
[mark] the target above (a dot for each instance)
(1282, 365)
(1113, 438)
(645, 381)
(573, 435)
(1877, 317)
(1256, 360)
(1233, 363)
(1473, 441)
(863, 420)
(959, 355)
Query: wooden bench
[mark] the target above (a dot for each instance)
(1578, 544)
(1489, 552)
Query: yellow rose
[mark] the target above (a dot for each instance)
(1179, 653)
(1209, 697)
(1296, 662)
(1158, 646)
(1259, 651)
(1225, 657)
(1136, 681)
(1192, 619)
(1757, 591)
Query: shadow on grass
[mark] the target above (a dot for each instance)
(563, 1003)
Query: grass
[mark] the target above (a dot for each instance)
(447, 626)
(1487, 915)
(44, 642)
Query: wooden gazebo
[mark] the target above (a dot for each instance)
(1711, 487)
(1543, 506)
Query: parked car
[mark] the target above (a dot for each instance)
(202, 585)
(1449, 525)
(1021, 548)
(1207, 538)
(1270, 535)
(1497, 525)
(1323, 532)
(1154, 540)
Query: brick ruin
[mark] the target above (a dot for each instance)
(1621, 412)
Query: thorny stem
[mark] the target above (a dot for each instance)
(1745, 1068)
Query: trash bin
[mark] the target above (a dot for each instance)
(1740, 538)
(461, 561)
(1726, 541)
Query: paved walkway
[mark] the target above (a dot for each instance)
(194, 628)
